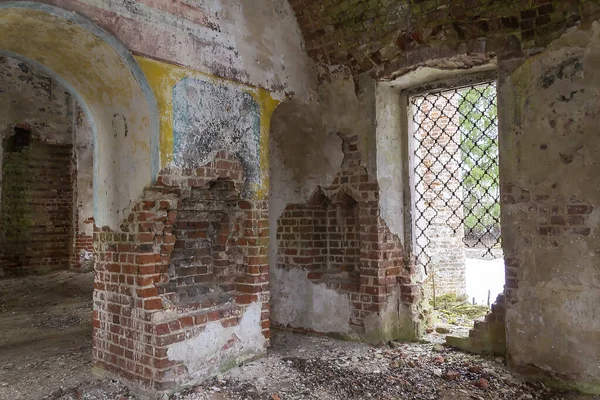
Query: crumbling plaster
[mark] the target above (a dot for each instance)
(549, 150)
(305, 153)
(219, 348)
(259, 44)
(549, 158)
(305, 150)
(547, 117)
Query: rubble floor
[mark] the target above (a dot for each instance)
(308, 367)
(45, 333)
(45, 348)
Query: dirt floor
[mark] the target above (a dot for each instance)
(45, 334)
(45, 347)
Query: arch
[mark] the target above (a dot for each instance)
(109, 85)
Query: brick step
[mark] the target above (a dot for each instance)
(486, 337)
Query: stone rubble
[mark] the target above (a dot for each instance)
(305, 367)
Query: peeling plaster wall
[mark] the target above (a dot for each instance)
(298, 302)
(303, 155)
(551, 210)
(254, 42)
(217, 347)
(213, 132)
(305, 151)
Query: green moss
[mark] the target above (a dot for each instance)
(15, 217)
(454, 308)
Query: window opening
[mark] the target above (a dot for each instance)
(456, 192)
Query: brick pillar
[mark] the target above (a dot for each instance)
(177, 299)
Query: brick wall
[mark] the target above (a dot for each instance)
(393, 34)
(33, 99)
(439, 212)
(339, 239)
(204, 263)
(36, 205)
(169, 273)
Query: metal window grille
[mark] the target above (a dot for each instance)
(456, 169)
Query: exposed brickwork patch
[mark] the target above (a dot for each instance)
(339, 239)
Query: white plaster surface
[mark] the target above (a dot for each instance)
(299, 302)
(391, 115)
(204, 355)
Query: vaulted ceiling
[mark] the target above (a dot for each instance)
(388, 35)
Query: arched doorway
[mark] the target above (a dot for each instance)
(103, 94)
(106, 81)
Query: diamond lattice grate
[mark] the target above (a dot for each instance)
(456, 168)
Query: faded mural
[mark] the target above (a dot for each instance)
(209, 117)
